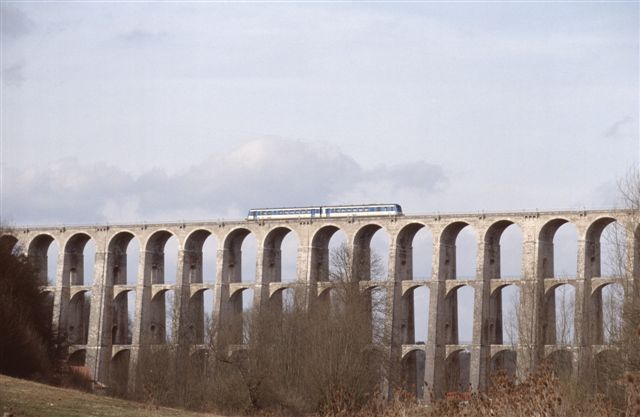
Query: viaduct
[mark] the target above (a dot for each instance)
(102, 343)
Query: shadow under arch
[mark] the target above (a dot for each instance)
(504, 361)
(8, 243)
(413, 368)
(77, 357)
(193, 253)
(553, 331)
(154, 254)
(37, 253)
(117, 258)
(272, 253)
(119, 372)
(561, 362)
(319, 259)
(448, 256)
(457, 371)
(404, 250)
(362, 268)
(78, 318)
(608, 369)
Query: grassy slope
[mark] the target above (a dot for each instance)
(29, 399)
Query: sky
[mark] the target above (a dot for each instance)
(123, 111)
(148, 111)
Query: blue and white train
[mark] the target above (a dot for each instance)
(360, 210)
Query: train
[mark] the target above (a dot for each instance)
(357, 210)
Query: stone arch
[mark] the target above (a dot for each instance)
(504, 361)
(78, 318)
(235, 330)
(38, 253)
(453, 333)
(121, 326)
(161, 317)
(77, 357)
(154, 252)
(74, 269)
(412, 368)
(200, 317)
(493, 245)
(233, 259)
(117, 266)
(404, 242)
(608, 369)
(194, 256)
(606, 312)
(320, 255)
(272, 253)
(562, 363)
(8, 243)
(362, 267)
(457, 371)
(593, 246)
(558, 326)
(449, 260)
(547, 253)
(119, 372)
(502, 323)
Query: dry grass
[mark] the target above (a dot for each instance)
(30, 399)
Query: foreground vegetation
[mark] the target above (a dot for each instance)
(31, 399)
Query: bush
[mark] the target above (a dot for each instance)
(26, 345)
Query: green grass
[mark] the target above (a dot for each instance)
(30, 399)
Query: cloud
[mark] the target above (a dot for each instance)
(620, 129)
(259, 173)
(13, 22)
(142, 37)
(13, 74)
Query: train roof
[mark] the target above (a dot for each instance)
(329, 206)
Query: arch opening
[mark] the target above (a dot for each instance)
(609, 369)
(413, 368)
(339, 266)
(161, 258)
(240, 255)
(421, 299)
(119, 373)
(199, 257)
(465, 313)
(123, 313)
(503, 251)
(162, 325)
(607, 307)
(458, 371)
(77, 358)
(79, 260)
(123, 257)
(558, 327)
(280, 249)
(43, 252)
(459, 312)
(458, 252)
(561, 361)
(510, 317)
(558, 249)
(78, 318)
(504, 362)
(200, 323)
(613, 254)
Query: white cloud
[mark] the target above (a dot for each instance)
(267, 172)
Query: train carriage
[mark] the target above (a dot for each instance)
(358, 210)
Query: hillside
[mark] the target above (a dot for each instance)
(30, 399)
